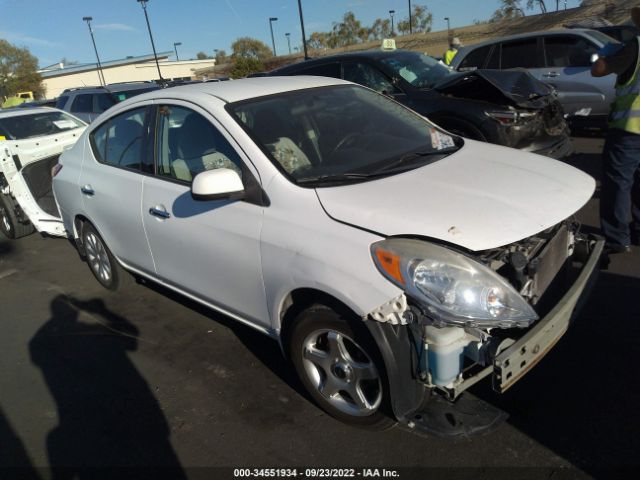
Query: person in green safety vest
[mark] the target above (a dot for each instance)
(620, 191)
(453, 50)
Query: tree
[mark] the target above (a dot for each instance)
(509, 9)
(348, 31)
(531, 4)
(201, 56)
(251, 48)
(244, 66)
(18, 71)
(318, 41)
(421, 20)
(221, 57)
(380, 29)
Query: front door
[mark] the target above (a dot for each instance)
(210, 249)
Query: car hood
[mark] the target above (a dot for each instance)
(515, 87)
(481, 197)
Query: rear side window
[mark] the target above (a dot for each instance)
(119, 141)
(520, 54)
(103, 101)
(475, 59)
(327, 70)
(83, 103)
(568, 51)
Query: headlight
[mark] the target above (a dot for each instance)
(454, 288)
(511, 117)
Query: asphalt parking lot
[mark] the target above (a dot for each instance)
(145, 378)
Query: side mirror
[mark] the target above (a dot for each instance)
(218, 184)
(594, 57)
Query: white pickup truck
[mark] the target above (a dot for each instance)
(31, 140)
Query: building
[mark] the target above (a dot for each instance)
(131, 69)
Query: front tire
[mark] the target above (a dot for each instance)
(101, 262)
(340, 367)
(10, 225)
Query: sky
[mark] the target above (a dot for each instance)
(53, 29)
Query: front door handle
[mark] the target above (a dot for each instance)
(551, 74)
(88, 190)
(159, 212)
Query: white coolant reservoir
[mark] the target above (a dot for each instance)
(445, 347)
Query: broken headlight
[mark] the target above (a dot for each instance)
(453, 288)
(511, 117)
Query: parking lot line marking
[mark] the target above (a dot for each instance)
(6, 273)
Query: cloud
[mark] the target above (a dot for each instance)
(114, 27)
(26, 39)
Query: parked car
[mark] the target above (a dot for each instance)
(561, 58)
(388, 257)
(622, 33)
(31, 140)
(89, 102)
(510, 109)
(39, 103)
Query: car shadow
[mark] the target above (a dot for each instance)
(581, 401)
(14, 461)
(108, 415)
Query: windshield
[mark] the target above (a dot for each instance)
(20, 127)
(419, 70)
(342, 133)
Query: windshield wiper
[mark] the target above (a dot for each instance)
(337, 177)
(411, 156)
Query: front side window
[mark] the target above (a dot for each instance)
(367, 75)
(103, 101)
(37, 125)
(568, 51)
(520, 54)
(119, 140)
(340, 133)
(188, 144)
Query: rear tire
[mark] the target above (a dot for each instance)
(9, 223)
(339, 365)
(101, 261)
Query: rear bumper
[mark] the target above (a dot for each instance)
(554, 147)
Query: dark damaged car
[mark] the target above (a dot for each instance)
(506, 108)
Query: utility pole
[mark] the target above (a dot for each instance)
(410, 19)
(288, 35)
(175, 47)
(391, 14)
(273, 42)
(155, 55)
(304, 38)
(100, 72)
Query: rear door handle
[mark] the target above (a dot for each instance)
(159, 212)
(88, 190)
(551, 74)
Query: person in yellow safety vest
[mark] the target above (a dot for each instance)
(450, 54)
(620, 191)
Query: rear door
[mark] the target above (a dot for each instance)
(117, 156)
(208, 249)
(568, 68)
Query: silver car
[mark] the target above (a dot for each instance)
(561, 58)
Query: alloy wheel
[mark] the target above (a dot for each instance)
(98, 258)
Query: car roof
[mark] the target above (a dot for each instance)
(238, 90)
(538, 33)
(113, 87)
(19, 112)
(374, 53)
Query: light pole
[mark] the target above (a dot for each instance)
(391, 14)
(304, 38)
(448, 26)
(100, 73)
(410, 22)
(273, 42)
(288, 35)
(175, 47)
(153, 46)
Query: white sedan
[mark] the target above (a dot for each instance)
(388, 257)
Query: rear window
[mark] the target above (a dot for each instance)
(37, 125)
(475, 59)
(125, 94)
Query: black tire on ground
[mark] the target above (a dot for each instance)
(340, 366)
(101, 261)
(9, 223)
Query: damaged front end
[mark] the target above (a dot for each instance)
(531, 118)
(472, 315)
